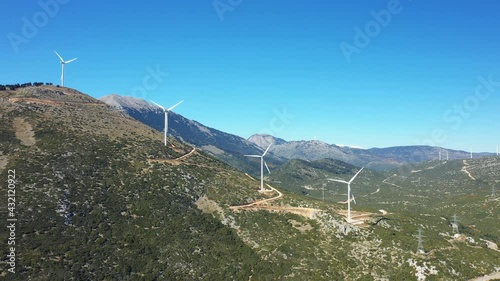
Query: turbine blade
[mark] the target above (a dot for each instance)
(353, 199)
(338, 181)
(265, 164)
(158, 105)
(356, 175)
(171, 108)
(265, 152)
(59, 56)
(71, 60)
(256, 156)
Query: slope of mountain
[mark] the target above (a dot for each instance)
(310, 178)
(436, 188)
(374, 158)
(226, 147)
(91, 204)
(99, 197)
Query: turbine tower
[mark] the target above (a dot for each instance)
(166, 116)
(324, 185)
(350, 196)
(447, 158)
(454, 224)
(63, 62)
(420, 248)
(262, 164)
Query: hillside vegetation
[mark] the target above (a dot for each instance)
(100, 198)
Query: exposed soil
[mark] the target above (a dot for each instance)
(24, 131)
(464, 169)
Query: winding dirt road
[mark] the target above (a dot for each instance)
(263, 205)
(176, 161)
(464, 169)
(259, 202)
(185, 156)
(389, 183)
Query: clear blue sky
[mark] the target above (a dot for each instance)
(236, 69)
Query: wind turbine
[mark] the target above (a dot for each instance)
(166, 116)
(350, 196)
(262, 164)
(63, 62)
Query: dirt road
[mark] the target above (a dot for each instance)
(464, 169)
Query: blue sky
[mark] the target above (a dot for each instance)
(279, 67)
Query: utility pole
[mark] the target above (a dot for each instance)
(420, 248)
(454, 224)
(324, 192)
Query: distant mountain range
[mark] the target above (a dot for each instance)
(231, 148)
(374, 158)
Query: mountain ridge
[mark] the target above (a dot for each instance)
(376, 158)
(224, 146)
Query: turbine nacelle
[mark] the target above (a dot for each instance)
(166, 116)
(350, 196)
(168, 109)
(63, 62)
(262, 165)
(348, 182)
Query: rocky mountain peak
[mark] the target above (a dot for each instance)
(127, 102)
(263, 140)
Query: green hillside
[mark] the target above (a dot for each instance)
(98, 197)
(91, 207)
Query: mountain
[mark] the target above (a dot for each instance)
(226, 147)
(99, 197)
(231, 148)
(263, 141)
(375, 158)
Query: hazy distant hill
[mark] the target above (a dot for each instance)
(226, 147)
(311, 177)
(375, 158)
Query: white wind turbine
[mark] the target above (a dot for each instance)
(262, 164)
(350, 197)
(63, 62)
(166, 116)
